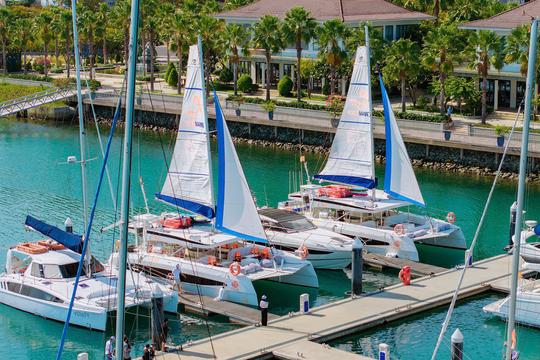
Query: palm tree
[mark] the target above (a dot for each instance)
(150, 25)
(489, 50)
(103, 21)
(402, 62)
(299, 25)
(357, 37)
(23, 35)
(331, 37)
(43, 29)
(5, 20)
(208, 26)
(517, 48)
(88, 28)
(182, 35)
(57, 27)
(166, 12)
(267, 35)
(443, 48)
(121, 14)
(67, 32)
(236, 36)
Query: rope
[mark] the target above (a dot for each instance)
(476, 234)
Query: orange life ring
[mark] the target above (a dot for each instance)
(451, 217)
(234, 284)
(170, 276)
(235, 268)
(399, 229)
(303, 252)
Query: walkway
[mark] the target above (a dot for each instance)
(341, 318)
(34, 100)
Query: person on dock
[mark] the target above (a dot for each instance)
(177, 274)
(109, 348)
(127, 349)
(263, 305)
(146, 353)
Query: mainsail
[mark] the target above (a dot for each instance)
(399, 179)
(189, 181)
(236, 213)
(351, 157)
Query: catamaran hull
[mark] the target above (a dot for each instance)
(332, 261)
(91, 319)
(306, 277)
(454, 241)
(527, 308)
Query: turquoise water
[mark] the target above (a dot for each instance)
(34, 179)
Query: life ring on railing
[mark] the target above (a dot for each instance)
(303, 252)
(170, 276)
(451, 217)
(235, 268)
(234, 284)
(399, 229)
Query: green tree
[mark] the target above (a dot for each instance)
(443, 49)
(267, 35)
(331, 37)
(208, 26)
(88, 27)
(67, 33)
(102, 16)
(182, 35)
(43, 29)
(489, 50)
(517, 48)
(5, 21)
(402, 59)
(57, 27)
(23, 36)
(357, 37)
(236, 36)
(121, 17)
(150, 24)
(299, 25)
(461, 89)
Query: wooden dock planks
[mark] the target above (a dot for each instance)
(348, 316)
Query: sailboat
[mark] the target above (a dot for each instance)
(353, 206)
(222, 253)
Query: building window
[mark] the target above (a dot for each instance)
(389, 32)
(520, 92)
(503, 97)
(490, 91)
(288, 69)
(244, 67)
(407, 31)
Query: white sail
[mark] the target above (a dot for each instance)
(236, 212)
(189, 181)
(351, 157)
(399, 178)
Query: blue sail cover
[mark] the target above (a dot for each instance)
(69, 240)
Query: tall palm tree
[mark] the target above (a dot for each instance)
(402, 60)
(236, 36)
(43, 28)
(88, 28)
(443, 48)
(67, 32)
(299, 25)
(517, 48)
(23, 35)
(57, 27)
(182, 35)
(208, 26)
(489, 50)
(166, 12)
(102, 17)
(267, 35)
(331, 37)
(151, 20)
(121, 17)
(5, 21)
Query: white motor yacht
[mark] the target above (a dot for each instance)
(291, 231)
(354, 207)
(39, 279)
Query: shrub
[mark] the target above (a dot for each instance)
(245, 84)
(268, 106)
(172, 79)
(62, 82)
(225, 75)
(94, 85)
(285, 86)
(39, 64)
(57, 70)
(168, 71)
(326, 88)
(28, 66)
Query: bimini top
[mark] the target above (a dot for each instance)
(279, 215)
(57, 257)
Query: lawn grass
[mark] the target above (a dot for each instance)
(13, 91)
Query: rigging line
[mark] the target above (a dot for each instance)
(86, 241)
(475, 238)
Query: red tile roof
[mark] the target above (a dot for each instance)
(346, 10)
(509, 19)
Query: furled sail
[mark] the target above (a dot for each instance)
(189, 181)
(236, 213)
(399, 179)
(351, 157)
(69, 240)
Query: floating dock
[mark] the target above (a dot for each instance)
(417, 269)
(288, 335)
(204, 305)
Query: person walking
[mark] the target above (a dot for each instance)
(126, 349)
(109, 348)
(177, 274)
(263, 305)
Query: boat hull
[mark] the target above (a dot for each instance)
(527, 308)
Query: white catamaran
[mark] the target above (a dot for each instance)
(210, 255)
(354, 207)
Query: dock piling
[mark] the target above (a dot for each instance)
(357, 264)
(304, 303)
(157, 317)
(384, 351)
(457, 345)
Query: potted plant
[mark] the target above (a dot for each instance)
(94, 85)
(237, 104)
(334, 104)
(501, 131)
(269, 106)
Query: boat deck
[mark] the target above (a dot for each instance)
(417, 268)
(345, 317)
(205, 305)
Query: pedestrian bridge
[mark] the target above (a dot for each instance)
(34, 100)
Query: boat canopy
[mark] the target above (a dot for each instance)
(399, 178)
(189, 181)
(69, 240)
(236, 213)
(351, 156)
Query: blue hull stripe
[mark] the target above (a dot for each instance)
(351, 180)
(204, 210)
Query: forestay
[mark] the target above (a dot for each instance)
(351, 157)
(399, 179)
(189, 183)
(236, 213)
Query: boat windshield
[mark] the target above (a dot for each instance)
(301, 224)
(70, 270)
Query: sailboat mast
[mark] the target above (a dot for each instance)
(205, 110)
(126, 176)
(368, 53)
(531, 72)
(82, 130)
